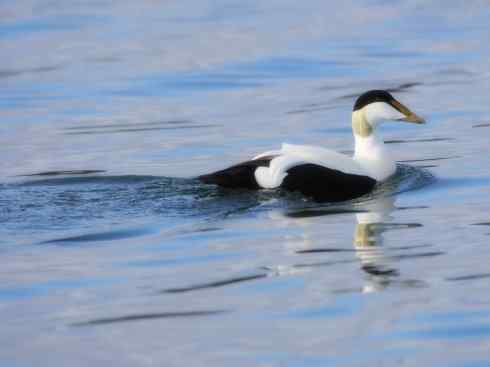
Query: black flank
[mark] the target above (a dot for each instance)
(241, 175)
(325, 184)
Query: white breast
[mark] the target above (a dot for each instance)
(374, 157)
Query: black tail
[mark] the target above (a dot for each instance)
(241, 175)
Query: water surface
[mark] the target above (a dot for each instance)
(113, 253)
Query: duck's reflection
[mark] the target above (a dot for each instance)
(373, 219)
(368, 243)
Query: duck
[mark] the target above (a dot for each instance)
(321, 174)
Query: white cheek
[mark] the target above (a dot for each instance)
(381, 111)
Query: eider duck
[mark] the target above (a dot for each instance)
(321, 174)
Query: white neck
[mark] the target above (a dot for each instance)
(370, 150)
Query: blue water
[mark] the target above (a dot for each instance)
(112, 254)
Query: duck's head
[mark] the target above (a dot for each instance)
(376, 106)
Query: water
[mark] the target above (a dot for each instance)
(111, 252)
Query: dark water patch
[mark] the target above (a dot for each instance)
(428, 159)
(308, 213)
(329, 250)
(404, 87)
(149, 316)
(482, 125)
(481, 224)
(409, 247)
(101, 236)
(412, 207)
(309, 110)
(4, 74)
(101, 180)
(344, 291)
(323, 263)
(390, 226)
(204, 230)
(65, 173)
(469, 277)
(130, 125)
(418, 255)
(141, 129)
(286, 269)
(357, 249)
(428, 140)
(216, 284)
(378, 270)
(400, 225)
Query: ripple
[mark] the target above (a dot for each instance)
(215, 284)
(101, 236)
(65, 173)
(426, 140)
(96, 180)
(428, 159)
(404, 87)
(129, 125)
(482, 125)
(149, 316)
(469, 277)
(141, 129)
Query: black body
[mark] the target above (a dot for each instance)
(324, 184)
(320, 183)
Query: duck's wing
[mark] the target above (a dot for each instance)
(316, 172)
(290, 156)
(324, 157)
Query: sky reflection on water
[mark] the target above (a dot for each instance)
(108, 111)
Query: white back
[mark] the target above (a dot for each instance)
(293, 155)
